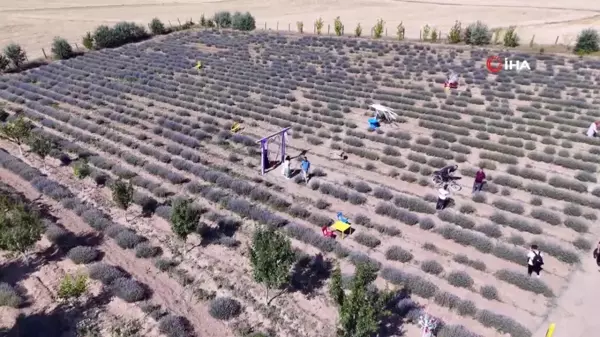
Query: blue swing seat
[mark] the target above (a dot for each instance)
(373, 123)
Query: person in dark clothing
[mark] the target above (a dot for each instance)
(535, 261)
(597, 254)
(446, 173)
(479, 180)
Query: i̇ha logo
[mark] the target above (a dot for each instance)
(495, 64)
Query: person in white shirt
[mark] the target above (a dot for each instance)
(535, 261)
(593, 129)
(443, 195)
(287, 167)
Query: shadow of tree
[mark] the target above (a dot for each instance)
(61, 320)
(309, 274)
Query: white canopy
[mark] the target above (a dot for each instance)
(384, 112)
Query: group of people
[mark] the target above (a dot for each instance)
(304, 168)
(446, 177)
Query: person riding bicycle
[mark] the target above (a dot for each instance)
(445, 174)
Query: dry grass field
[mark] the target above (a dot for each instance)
(143, 113)
(33, 23)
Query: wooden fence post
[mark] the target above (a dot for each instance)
(289, 27)
(44, 52)
(386, 32)
(277, 26)
(328, 29)
(556, 41)
(265, 25)
(420, 36)
(179, 22)
(170, 25)
(76, 46)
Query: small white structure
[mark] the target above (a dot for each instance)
(383, 113)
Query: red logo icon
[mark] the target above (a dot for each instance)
(494, 64)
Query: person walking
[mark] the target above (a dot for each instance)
(305, 166)
(593, 129)
(287, 167)
(535, 261)
(596, 254)
(479, 180)
(443, 195)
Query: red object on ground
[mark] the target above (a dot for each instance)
(452, 85)
(327, 232)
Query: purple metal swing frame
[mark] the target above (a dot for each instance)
(264, 148)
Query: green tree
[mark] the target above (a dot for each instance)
(358, 30)
(15, 54)
(17, 131)
(157, 27)
(338, 26)
(511, 39)
(455, 35)
(184, 218)
(222, 19)
(243, 22)
(40, 146)
(20, 228)
(88, 41)
(336, 287)
(72, 287)
(271, 256)
(378, 29)
(319, 23)
(122, 193)
(300, 26)
(362, 309)
(61, 49)
(588, 42)
(202, 21)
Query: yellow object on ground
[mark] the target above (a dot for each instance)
(550, 331)
(341, 227)
(199, 65)
(236, 127)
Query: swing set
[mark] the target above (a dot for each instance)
(266, 160)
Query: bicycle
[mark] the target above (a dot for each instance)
(452, 185)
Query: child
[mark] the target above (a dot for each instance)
(305, 165)
(479, 179)
(534, 261)
(287, 167)
(442, 198)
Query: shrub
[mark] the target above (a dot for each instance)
(173, 326)
(479, 198)
(322, 204)
(463, 259)
(455, 35)
(222, 19)
(569, 184)
(243, 22)
(546, 216)
(61, 49)
(416, 284)
(383, 193)
(389, 210)
(509, 206)
(572, 210)
(367, 240)
(414, 204)
(467, 209)
(477, 34)
(122, 33)
(127, 239)
(582, 243)
(9, 296)
(448, 330)
(564, 255)
(104, 273)
(536, 201)
(128, 290)
(460, 279)
(446, 299)
(15, 54)
(359, 258)
(524, 282)
(224, 308)
(83, 254)
(489, 292)
(122, 193)
(588, 42)
(88, 41)
(466, 308)
(81, 169)
(146, 250)
(502, 323)
(426, 224)
(491, 230)
(432, 267)
(397, 253)
(577, 225)
(157, 27)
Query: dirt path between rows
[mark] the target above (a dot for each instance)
(576, 314)
(166, 291)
